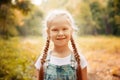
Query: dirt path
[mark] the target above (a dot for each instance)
(103, 66)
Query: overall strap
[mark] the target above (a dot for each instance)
(48, 56)
(48, 59)
(73, 61)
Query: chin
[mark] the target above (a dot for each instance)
(60, 44)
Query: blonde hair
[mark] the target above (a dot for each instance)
(48, 21)
(52, 14)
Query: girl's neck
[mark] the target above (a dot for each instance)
(61, 51)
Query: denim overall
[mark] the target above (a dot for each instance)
(56, 72)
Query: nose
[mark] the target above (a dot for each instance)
(60, 33)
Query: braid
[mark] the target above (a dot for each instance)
(77, 57)
(41, 72)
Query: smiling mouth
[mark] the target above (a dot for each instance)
(60, 38)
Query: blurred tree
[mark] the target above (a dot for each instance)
(106, 15)
(8, 20)
(91, 16)
(114, 16)
(98, 16)
(83, 17)
(84, 20)
(32, 24)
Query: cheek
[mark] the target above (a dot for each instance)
(51, 35)
(69, 33)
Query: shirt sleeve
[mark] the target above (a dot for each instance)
(83, 61)
(38, 62)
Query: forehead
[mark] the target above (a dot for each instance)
(60, 21)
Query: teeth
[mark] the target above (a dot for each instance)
(60, 38)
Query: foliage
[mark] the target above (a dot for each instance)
(14, 61)
(114, 16)
(32, 24)
(8, 19)
(97, 15)
(84, 20)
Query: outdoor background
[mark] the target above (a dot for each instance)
(21, 40)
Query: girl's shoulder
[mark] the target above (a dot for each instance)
(83, 60)
(38, 61)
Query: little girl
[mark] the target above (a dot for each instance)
(61, 63)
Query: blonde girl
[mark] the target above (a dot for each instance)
(62, 62)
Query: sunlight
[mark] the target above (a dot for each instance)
(13, 1)
(36, 2)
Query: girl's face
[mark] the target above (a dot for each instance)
(60, 31)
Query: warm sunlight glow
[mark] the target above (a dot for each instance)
(36, 2)
(13, 1)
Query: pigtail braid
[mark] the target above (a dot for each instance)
(77, 57)
(41, 72)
